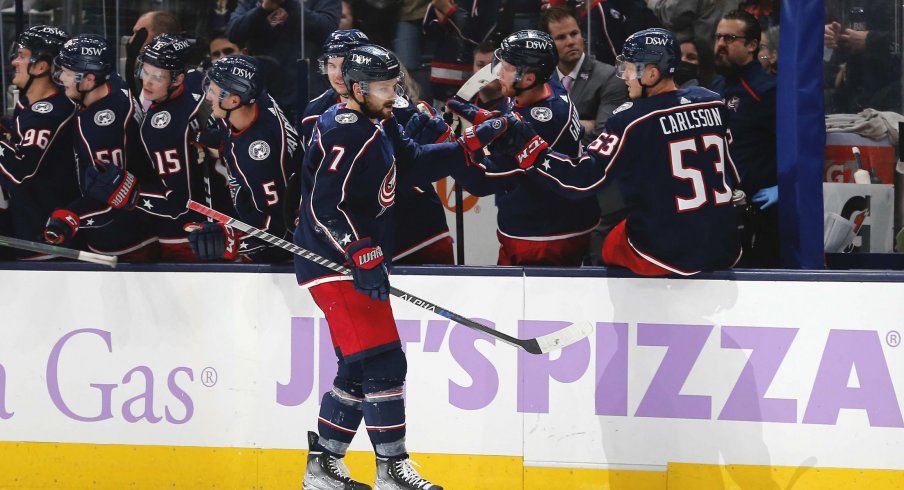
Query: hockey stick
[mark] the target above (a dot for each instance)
(43, 248)
(539, 345)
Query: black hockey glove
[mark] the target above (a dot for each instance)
(523, 142)
(368, 270)
(212, 241)
(61, 227)
(112, 185)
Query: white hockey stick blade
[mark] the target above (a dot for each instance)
(478, 80)
(44, 248)
(565, 337)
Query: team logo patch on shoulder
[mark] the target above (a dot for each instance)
(623, 107)
(346, 118)
(259, 150)
(541, 114)
(161, 119)
(401, 103)
(104, 117)
(42, 107)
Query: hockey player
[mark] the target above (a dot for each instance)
(260, 151)
(536, 225)
(667, 148)
(110, 161)
(36, 164)
(347, 215)
(174, 114)
(422, 234)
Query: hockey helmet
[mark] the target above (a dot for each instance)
(166, 51)
(44, 42)
(338, 44)
(649, 46)
(84, 54)
(236, 74)
(530, 51)
(370, 63)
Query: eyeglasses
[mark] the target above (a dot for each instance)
(729, 38)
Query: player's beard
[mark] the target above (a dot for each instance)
(374, 111)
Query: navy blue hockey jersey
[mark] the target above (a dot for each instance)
(107, 133)
(528, 210)
(37, 168)
(166, 135)
(259, 160)
(669, 154)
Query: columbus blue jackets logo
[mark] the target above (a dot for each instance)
(346, 118)
(161, 119)
(104, 117)
(42, 107)
(387, 190)
(541, 114)
(259, 150)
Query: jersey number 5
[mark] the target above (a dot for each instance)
(677, 149)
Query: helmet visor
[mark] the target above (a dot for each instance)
(627, 70)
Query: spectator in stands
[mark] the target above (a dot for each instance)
(271, 28)
(218, 15)
(769, 50)
(694, 18)
(347, 20)
(749, 94)
(696, 67)
(220, 46)
(409, 37)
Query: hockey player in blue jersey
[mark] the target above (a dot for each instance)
(667, 149)
(260, 151)
(347, 215)
(37, 169)
(536, 226)
(109, 159)
(422, 234)
(174, 115)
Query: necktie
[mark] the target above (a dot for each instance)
(567, 82)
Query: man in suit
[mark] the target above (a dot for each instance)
(592, 86)
(595, 92)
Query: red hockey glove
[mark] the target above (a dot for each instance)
(61, 227)
(477, 137)
(368, 270)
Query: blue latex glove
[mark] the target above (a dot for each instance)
(765, 197)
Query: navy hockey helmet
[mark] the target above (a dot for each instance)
(650, 46)
(44, 42)
(166, 51)
(370, 63)
(530, 51)
(84, 54)
(237, 74)
(338, 44)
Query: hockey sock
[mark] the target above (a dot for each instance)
(384, 402)
(340, 410)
